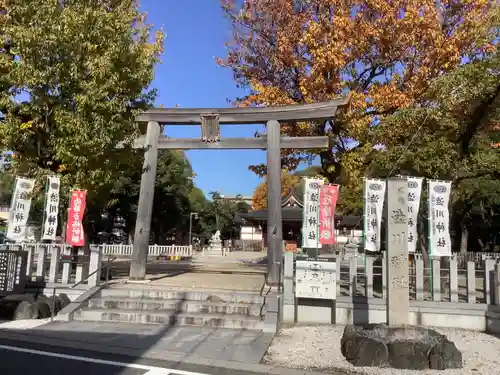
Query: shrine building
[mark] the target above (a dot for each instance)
(291, 214)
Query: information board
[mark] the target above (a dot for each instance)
(316, 278)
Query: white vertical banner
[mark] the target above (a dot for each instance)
(439, 218)
(414, 194)
(310, 219)
(51, 209)
(20, 209)
(374, 204)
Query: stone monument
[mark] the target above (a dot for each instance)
(397, 344)
(215, 245)
(398, 296)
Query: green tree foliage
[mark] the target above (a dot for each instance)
(220, 214)
(6, 187)
(456, 135)
(172, 202)
(73, 75)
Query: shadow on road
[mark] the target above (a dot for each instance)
(136, 342)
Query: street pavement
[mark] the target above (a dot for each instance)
(23, 358)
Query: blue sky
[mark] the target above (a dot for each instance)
(196, 31)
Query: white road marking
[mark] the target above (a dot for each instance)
(157, 372)
(151, 370)
(23, 324)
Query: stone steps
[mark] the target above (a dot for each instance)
(153, 305)
(170, 317)
(187, 295)
(125, 303)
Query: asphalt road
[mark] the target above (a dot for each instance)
(20, 358)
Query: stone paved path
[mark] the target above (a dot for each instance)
(238, 272)
(214, 343)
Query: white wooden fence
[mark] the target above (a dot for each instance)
(153, 251)
(469, 279)
(55, 263)
(120, 251)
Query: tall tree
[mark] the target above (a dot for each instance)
(259, 199)
(73, 75)
(172, 200)
(384, 52)
(6, 187)
(455, 140)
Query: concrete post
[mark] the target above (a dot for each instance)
(66, 272)
(497, 285)
(54, 263)
(471, 282)
(40, 263)
(453, 279)
(419, 279)
(95, 264)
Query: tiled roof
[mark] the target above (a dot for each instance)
(295, 214)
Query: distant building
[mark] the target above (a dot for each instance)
(4, 214)
(348, 228)
(5, 160)
(249, 231)
(237, 198)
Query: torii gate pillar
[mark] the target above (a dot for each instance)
(145, 209)
(274, 222)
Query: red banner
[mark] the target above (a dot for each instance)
(328, 196)
(74, 228)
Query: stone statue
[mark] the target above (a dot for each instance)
(215, 243)
(216, 236)
(215, 247)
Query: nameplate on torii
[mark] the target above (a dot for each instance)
(316, 279)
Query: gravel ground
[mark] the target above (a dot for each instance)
(318, 348)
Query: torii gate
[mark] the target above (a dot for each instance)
(210, 120)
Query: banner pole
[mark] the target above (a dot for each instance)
(11, 212)
(364, 224)
(47, 179)
(429, 236)
(304, 199)
(317, 221)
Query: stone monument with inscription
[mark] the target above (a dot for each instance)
(398, 297)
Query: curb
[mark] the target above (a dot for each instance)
(41, 338)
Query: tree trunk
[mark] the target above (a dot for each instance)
(481, 244)
(64, 223)
(425, 258)
(423, 249)
(464, 239)
(86, 245)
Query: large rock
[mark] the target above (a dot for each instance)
(403, 347)
(52, 302)
(41, 309)
(24, 310)
(65, 301)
